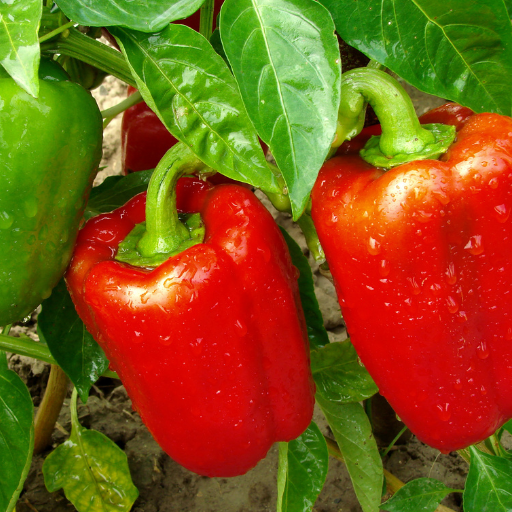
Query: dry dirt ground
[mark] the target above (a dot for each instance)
(164, 486)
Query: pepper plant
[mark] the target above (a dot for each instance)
(188, 289)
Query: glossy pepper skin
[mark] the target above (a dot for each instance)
(50, 149)
(211, 345)
(421, 257)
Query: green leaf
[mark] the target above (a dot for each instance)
(16, 435)
(353, 434)
(144, 15)
(488, 485)
(420, 495)
(508, 426)
(303, 465)
(457, 50)
(116, 191)
(317, 334)
(19, 43)
(92, 469)
(188, 85)
(339, 375)
(286, 59)
(74, 349)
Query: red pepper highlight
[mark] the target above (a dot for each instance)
(421, 260)
(212, 344)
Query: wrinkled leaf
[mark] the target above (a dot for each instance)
(456, 50)
(488, 486)
(19, 44)
(144, 15)
(303, 465)
(92, 470)
(115, 191)
(188, 85)
(316, 331)
(286, 59)
(420, 495)
(338, 374)
(74, 349)
(353, 434)
(16, 435)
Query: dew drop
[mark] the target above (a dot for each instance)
(43, 233)
(474, 245)
(436, 289)
(265, 252)
(508, 334)
(241, 328)
(165, 340)
(494, 182)
(452, 304)
(502, 213)
(169, 282)
(462, 317)
(458, 384)
(423, 216)
(384, 268)
(333, 219)
(450, 276)
(373, 246)
(443, 411)
(30, 207)
(483, 390)
(482, 350)
(6, 220)
(415, 287)
(145, 297)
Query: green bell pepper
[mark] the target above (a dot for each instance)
(50, 149)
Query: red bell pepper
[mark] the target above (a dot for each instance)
(211, 344)
(421, 259)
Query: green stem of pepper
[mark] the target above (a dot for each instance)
(75, 44)
(403, 138)
(206, 19)
(401, 130)
(165, 233)
(56, 32)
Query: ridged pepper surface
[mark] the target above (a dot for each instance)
(421, 256)
(211, 344)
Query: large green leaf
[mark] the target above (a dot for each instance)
(16, 435)
(459, 50)
(74, 349)
(19, 45)
(92, 469)
(303, 465)
(189, 86)
(144, 15)
(317, 334)
(286, 59)
(488, 487)
(420, 495)
(353, 434)
(339, 375)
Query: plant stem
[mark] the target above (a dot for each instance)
(49, 408)
(392, 482)
(30, 348)
(206, 19)
(56, 32)
(128, 102)
(75, 44)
